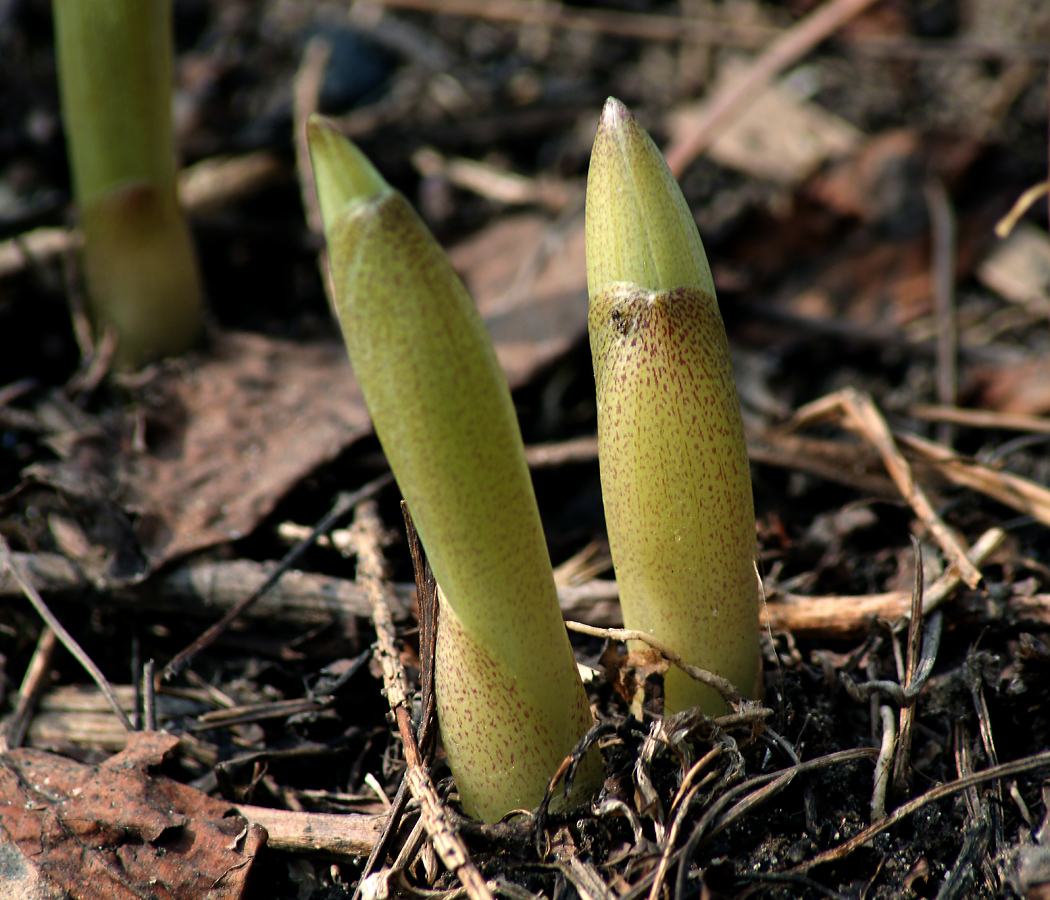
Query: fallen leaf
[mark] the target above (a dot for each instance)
(1018, 388)
(114, 832)
(243, 427)
(781, 136)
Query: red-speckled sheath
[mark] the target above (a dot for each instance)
(674, 467)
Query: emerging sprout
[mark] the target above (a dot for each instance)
(510, 701)
(674, 468)
(114, 72)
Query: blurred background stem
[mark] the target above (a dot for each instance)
(140, 269)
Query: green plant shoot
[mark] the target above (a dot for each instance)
(114, 72)
(674, 469)
(510, 701)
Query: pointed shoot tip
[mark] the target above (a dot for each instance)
(342, 173)
(639, 227)
(614, 113)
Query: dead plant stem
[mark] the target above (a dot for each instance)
(8, 563)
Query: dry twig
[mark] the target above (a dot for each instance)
(650, 27)
(306, 91)
(343, 504)
(1011, 490)
(851, 616)
(720, 684)
(730, 102)
(859, 413)
(348, 836)
(981, 418)
(942, 226)
(9, 564)
(304, 598)
(605, 21)
(35, 681)
(449, 845)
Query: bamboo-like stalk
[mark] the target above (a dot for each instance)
(140, 269)
(510, 701)
(675, 477)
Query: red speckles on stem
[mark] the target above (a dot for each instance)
(489, 713)
(676, 482)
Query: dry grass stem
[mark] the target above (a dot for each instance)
(785, 51)
(680, 808)
(883, 764)
(9, 564)
(1019, 493)
(859, 413)
(368, 538)
(981, 418)
(722, 685)
(1023, 203)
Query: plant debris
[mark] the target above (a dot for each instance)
(115, 831)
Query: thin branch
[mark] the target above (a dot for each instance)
(443, 835)
(8, 563)
(981, 418)
(149, 696)
(603, 21)
(723, 685)
(343, 504)
(14, 728)
(1005, 770)
(860, 414)
(730, 103)
(680, 29)
(306, 91)
(942, 264)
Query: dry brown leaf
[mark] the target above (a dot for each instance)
(258, 414)
(1020, 388)
(245, 425)
(780, 136)
(114, 832)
